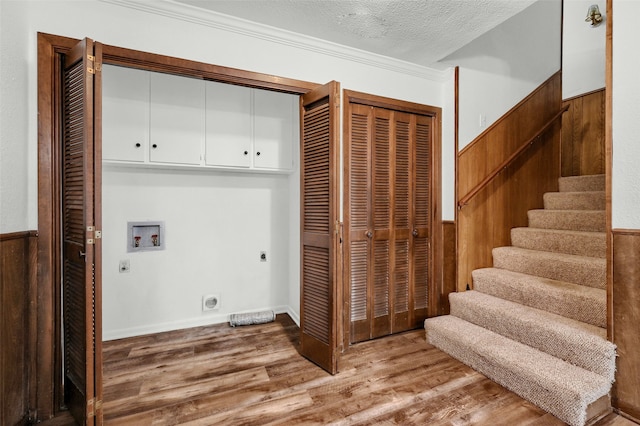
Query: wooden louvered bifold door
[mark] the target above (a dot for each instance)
(320, 267)
(387, 204)
(80, 277)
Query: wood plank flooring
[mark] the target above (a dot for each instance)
(253, 375)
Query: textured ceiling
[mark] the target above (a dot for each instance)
(417, 31)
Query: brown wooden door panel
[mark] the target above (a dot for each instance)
(80, 203)
(320, 246)
(388, 233)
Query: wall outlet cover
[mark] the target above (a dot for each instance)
(210, 302)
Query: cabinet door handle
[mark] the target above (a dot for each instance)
(258, 153)
(246, 152)
(138, 145)
(154, 145)
(369, 234)
(415, 233)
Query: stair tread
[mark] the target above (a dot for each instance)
(588, 303)
(582, 270)
(556, 386)
(573, 341)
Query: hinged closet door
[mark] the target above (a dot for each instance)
(81, 273)
(320, 227)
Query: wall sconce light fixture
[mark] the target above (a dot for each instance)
(594, 15)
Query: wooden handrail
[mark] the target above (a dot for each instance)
(506, 163)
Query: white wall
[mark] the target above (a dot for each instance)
(169, 29)
(500, 68)
(205, 37)
(216, 225)
(583, 49)
(626, 116)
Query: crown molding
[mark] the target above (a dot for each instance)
(195, 15)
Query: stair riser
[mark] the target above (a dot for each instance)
(572, 220)
(582, 183)
(586, 271)
(591, 244)
(574, 201)
(570, 341)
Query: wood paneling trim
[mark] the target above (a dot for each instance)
(115, 55)
(626, 317)
(608, 143)
(486, 222)
(17, 326)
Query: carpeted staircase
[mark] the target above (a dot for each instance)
(535, 322)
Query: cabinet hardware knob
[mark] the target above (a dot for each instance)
(369, 234)
(415, 233)
(258, 153)
(246, 152)
(154, 145)
(138, 145)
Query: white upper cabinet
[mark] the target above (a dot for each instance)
(275, 129)
(125, 113)
(176, 125)
(229, 125)
(162, 119)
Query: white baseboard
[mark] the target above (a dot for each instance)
(208, 319)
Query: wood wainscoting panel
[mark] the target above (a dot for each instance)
(583, 131)
(485, 222)
(17, 326)
(626, 317)
(448, 264)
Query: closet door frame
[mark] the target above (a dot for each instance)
(435, 291)
(51, 50)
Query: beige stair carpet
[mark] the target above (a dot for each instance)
(535, 321)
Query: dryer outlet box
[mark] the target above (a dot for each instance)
(210, 302)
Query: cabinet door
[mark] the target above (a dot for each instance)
(125, 113)
(228, 125)
(275, 128)
(176, 119)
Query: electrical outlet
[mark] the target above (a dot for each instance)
(263, 256)
(125, 266)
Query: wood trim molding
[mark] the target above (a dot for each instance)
(593, 92)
